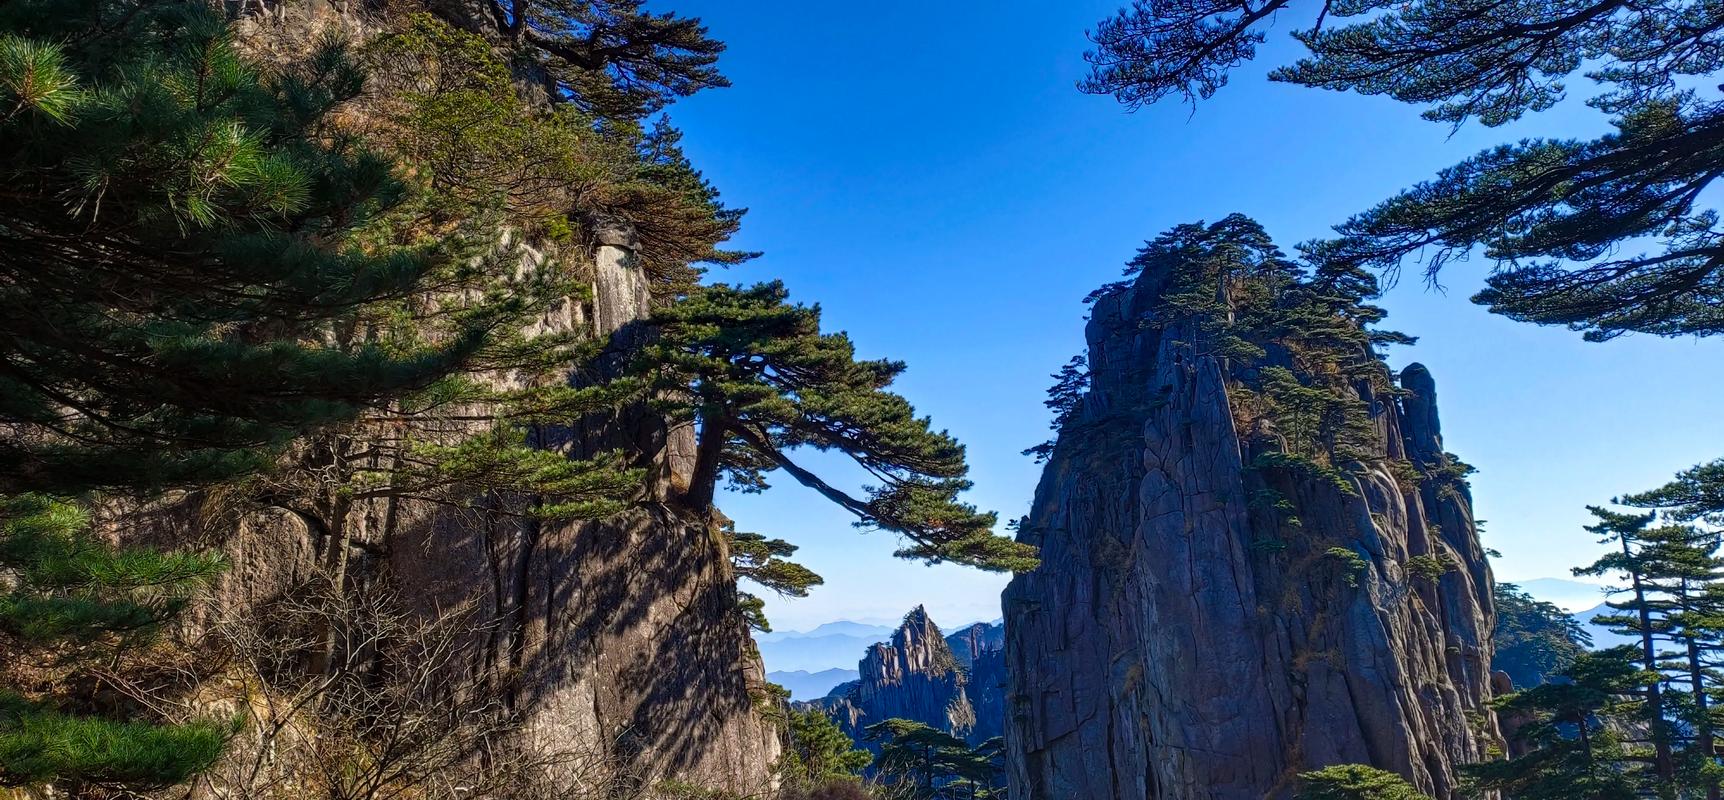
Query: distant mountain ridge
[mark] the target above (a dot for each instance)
(805, 685)
(954, 683)
(1602, 637)
(832, 645)
(842, 627)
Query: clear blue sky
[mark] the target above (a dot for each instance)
(927, 173)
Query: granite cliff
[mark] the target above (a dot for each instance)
(609, 653)
(1257, 557)
(612, 649)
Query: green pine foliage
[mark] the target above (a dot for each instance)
(611, 57)
(1533, 640)
(1574, 729)
(1429, 567)
(68, 587)
(71, 601)
(1696, 494)
(1606, 236)
(1065, 399)
(765, 562)
(447, 103)
(39, 745)
(760, 379)
(1349, 563)
(918, 762)
(174, 250)
(819, 753)
(1355, 782)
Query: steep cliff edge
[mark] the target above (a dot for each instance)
(1256, 557)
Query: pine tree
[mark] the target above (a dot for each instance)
(982, 774)
(759, 378)
(612, 57)
(765, 562)
(177, 251)
(1686, 570)
(1355, 782)
(71, 602)
(1573, 733)
(1643, 614)
(1696, 494)
(1533, 639)
(918, 762)
(452, 110)
(1065, 397)
(819, 752)
(1697, 616)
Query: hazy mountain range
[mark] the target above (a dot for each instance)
(805, 685)
(809, 663)
(832, 645)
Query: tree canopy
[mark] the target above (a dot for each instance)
(761, 379)
(819, 752)
(73, 602)
(1355, 782)
(1533, 639)
(919, 762)
(612, 57)
(175, 250)
(1574, 730)
(1606, 236)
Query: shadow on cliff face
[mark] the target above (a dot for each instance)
(619, 636)
(647, 604)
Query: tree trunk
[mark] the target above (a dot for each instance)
(1662, 761)
(704, 482)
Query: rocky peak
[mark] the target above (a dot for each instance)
(917, 648)
(969, 644)
(920, 675)
(1256, 557)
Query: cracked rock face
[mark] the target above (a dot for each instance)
(1181, 640)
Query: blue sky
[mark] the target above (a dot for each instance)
(927, 173)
